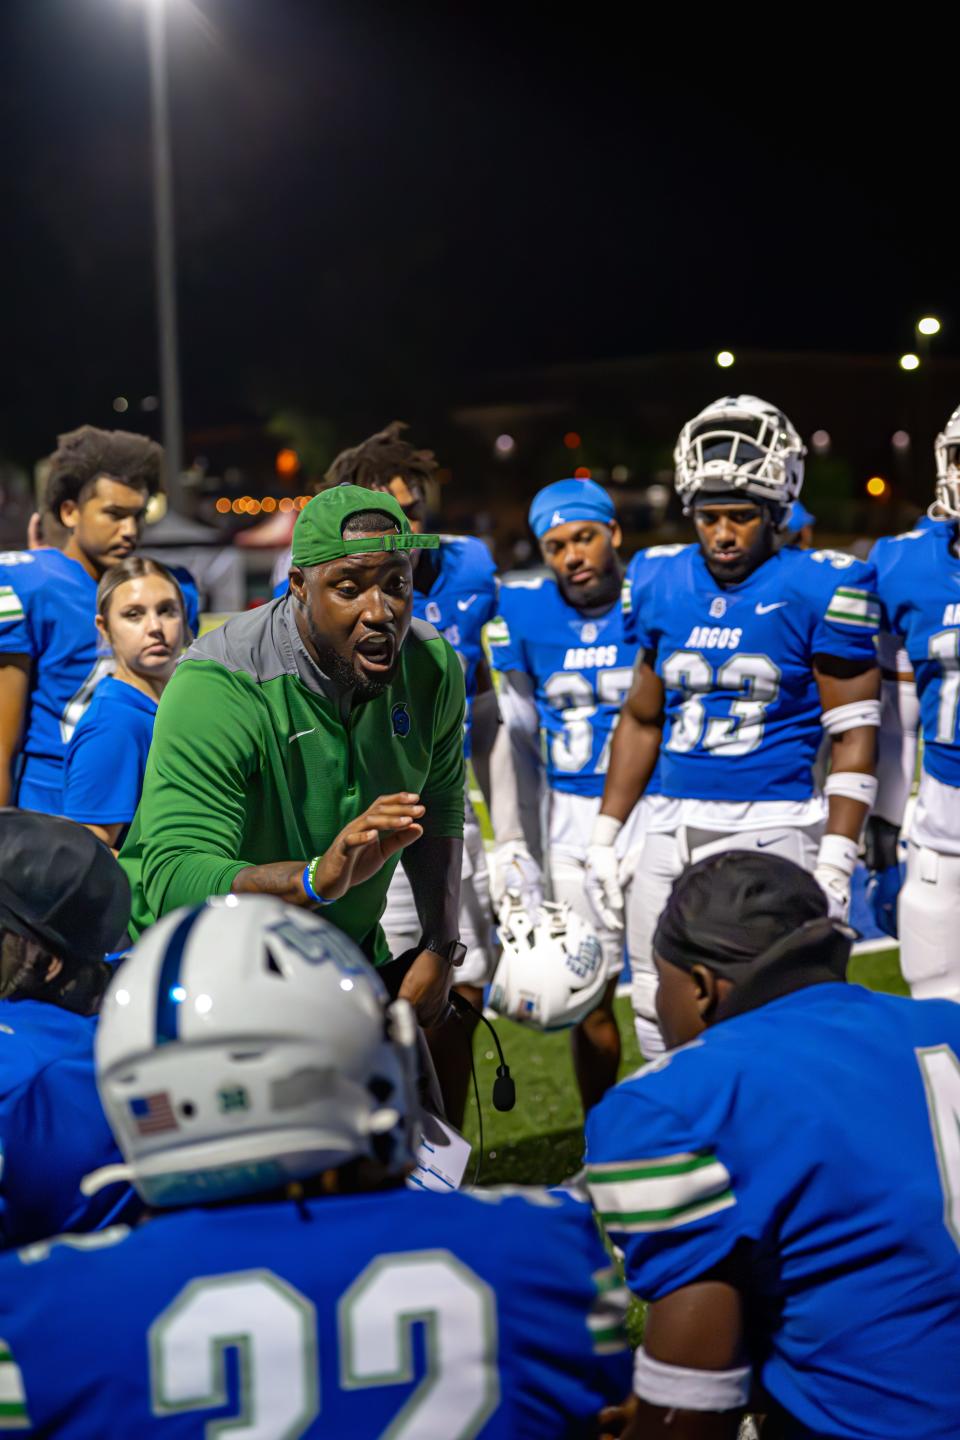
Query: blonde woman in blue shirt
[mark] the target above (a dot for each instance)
(141, 616)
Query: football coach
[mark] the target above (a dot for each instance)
(301, 747)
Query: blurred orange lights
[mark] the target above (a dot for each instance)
(223, 506)
(877, 487)
(286, 504)
(288, 462)
(581, 473)
(302, 500)
(572, 440)
(268, 504)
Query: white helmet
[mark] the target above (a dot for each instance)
(740, 443)
(245, 1043)
(946, 449)
(551, 973)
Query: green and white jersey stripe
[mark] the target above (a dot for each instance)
(635, 1196)
(607, 1320)
(497, 632)
(11, 606)
(13, 1401)
(851, 606)
(626, 595)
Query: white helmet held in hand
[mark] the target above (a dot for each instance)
(946, 451)
(245, 1043)
(740, 442)
(551, 974)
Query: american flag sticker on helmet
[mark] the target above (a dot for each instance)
(11, 606)
(13, 1401)
(153, 1114)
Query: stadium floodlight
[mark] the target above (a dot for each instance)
(909, 361)
(928, 325)
(724, 358)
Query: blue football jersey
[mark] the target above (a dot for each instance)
(488, 1316)
(818, 1133)
(736, 664)
(52, 1128)
(581, 667)
(462, 598)
(47, 607)
(107, 756)
(918, 579)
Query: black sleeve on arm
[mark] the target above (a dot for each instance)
(433, 868)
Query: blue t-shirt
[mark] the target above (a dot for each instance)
(341, 1317)
(919, 589)
(736, 664)
(581, 666)
(107, 755)
(52, 1128)
(819, 1133)
(48, 606)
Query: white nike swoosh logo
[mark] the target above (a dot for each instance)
(300, 734)
(765, 609)
(465, 604)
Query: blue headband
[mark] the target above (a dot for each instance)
(568, 500)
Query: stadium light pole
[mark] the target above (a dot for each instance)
(165, 259)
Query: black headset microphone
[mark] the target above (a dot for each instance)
(504, 1088)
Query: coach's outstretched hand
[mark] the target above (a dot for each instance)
(359, 851)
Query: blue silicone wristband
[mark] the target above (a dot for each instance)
(308, 887)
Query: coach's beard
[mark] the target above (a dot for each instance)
(344, 674)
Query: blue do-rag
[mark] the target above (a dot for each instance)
(567, 500)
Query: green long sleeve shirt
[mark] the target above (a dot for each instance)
(257, 757)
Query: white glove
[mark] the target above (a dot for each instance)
(515, 873)
(836, 862)
(602, 881)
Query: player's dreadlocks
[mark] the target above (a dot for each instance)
(83, 455)
(379, 459)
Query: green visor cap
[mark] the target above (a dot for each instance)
(318, 533)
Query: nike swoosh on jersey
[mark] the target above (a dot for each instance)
(465, 604)
(765, 844)
(300, 734)
(765, 609)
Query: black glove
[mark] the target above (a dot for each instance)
(880, 842)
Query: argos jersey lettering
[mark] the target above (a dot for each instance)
(737, 665)
(918, 578)
(581, 667)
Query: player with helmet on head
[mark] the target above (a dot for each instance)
(918, 576)
(267, 1114)
(564, 666)
(784, 1185)
(749, 653)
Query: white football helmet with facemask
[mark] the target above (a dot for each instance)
(551, 974)
(740, 442)
(946, 449)
(245, 1043)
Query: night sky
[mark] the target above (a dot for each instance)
(376, 203)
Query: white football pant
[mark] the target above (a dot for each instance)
(928, 918)
(663, 857)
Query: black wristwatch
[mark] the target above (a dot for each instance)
(453, 951)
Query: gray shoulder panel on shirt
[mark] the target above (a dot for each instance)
(422, 630)
(255, 643)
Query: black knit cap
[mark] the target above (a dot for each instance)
(60, 886)
(744, 912)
